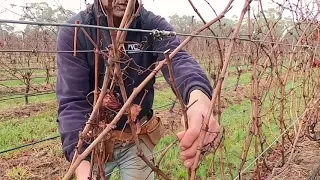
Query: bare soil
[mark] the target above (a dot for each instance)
(171, 120)
(23, 111)
(20, 90)
(305, 163)
(305, 159)
(47, 162)
(44, 162)
(236, 96)
(159, 86)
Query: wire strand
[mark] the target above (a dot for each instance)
(29, 144)
(166, 33)
(54, 137)
(154, 32)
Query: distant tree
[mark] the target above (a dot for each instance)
(42, 12)
(183, 23)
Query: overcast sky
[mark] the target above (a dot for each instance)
(164, 8)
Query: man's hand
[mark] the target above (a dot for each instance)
(83, 170)
(189, 140)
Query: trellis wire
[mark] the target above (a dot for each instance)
(164, 33)
(154, 32)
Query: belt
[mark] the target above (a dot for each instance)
(144, 114)
(146, 127)
(151, 133)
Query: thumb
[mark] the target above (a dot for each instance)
(180, 135)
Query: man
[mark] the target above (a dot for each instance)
(76, 80)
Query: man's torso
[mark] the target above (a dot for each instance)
(139, 58)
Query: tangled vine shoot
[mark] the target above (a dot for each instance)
(277, 53)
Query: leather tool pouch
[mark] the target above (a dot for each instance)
(107, 147)
(153, 132)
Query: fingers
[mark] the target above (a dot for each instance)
(83, 170)
(188, 163)
(190, 152)
(192, 133)
(188, 139)
(212, 132)
(209, 138)
(180, 135)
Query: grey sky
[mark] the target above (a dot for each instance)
(164, 8)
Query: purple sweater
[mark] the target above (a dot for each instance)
(76, 73)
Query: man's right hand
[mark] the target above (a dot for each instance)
(83, 170)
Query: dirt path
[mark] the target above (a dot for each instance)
(305, 163)
(24, 111)
(43, 162)
(46, 161)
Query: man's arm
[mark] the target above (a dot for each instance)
(187, 72)
(72, 89)
(193, 85)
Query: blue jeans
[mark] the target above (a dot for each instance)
(130, 165)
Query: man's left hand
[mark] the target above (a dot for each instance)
(189, 140)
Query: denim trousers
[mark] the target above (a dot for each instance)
(131, 166)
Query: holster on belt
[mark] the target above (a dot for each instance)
(151, 133)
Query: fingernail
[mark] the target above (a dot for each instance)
(183, 148)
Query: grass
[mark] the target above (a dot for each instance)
(44, 125)
(160, 80)
(245, 78)
(19, 131)
(236, 119)
(11, 103)
(163, 99)
(17, 173)
(34, 81)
